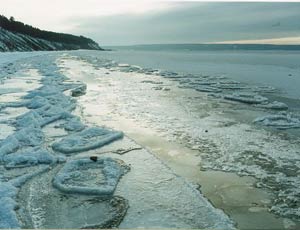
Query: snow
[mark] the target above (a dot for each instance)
(87, 139)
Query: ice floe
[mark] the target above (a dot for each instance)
(8, 218)
(27, 137)
(208, 89)
(280, 121)
(42, 117)
(72, 124)
(27, 148)
(123, 65)
(87, 139)
(99, 176)
(29, 157)
(276, 105)
(61, 210)
(248, 98)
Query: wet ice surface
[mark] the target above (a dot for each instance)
(157, 198)
(52, 173)
(220, 131)
(43, 206)
(25, 150)
(161, 199)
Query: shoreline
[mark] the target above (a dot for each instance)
(180, 132)
(257, 209)
(61, 144)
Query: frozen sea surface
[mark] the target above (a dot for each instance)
(279, 69)
(55, 174)
(224, 134)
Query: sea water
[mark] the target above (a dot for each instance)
(228, 111)
(280, 68)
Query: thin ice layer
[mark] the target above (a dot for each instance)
(8, 205)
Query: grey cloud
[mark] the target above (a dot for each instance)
(196, 23)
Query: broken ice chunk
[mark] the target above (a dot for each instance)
(86, 176)
(29, 157)
(208, 89)
(249, 98)
(123, 65)
(7, 205)
(27, 137)
(280, 121)
(274, 105)
(87, 139)
(73, 124)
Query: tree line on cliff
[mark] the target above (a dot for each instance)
(12, 25)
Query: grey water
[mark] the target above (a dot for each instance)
(276, 68)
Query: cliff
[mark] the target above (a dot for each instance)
(17, 36)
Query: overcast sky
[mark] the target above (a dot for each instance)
(123, 22)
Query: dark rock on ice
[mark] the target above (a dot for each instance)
(94, 158)
(78, 91)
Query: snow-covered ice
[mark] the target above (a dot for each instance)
(90, 138)
(29, 157)
(276, 105)
(280, 121)
(246, 98)
(91, 177)
(220, 132)
(43, 187)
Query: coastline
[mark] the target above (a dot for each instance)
(122, 182)
(178, 156)
(163, 133)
